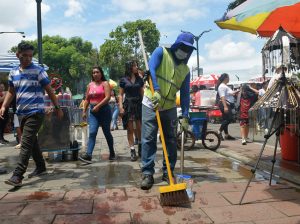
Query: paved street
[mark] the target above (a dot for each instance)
(105, 192)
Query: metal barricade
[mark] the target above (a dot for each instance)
(56, 135)
(79, 126)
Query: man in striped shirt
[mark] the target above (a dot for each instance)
(28, 82)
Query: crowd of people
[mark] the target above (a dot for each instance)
(135, 104)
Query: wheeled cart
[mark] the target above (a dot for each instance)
(57, 135)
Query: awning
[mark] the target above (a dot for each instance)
(9, 61)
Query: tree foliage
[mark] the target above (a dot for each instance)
(71, 58)
(124, 45)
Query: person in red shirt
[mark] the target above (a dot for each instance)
(248, 98)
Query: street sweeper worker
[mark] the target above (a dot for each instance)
(169, 73)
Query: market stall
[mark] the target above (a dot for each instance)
(281, 103)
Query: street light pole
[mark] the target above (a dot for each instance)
(197, 44)
(22, 33)
(39, 30)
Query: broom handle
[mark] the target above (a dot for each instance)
(157, 114)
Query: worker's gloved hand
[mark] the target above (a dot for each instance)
(184, 124)
(156, 97)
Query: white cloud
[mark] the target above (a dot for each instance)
(193, 61)
(45, 9)
(250, 36)
(23, 16)
(17, 16)
(161, 11)
(225, 49)
(225, 55)
(75, 8)
(130, 5)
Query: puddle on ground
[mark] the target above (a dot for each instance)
(111, 174)
(208, 165)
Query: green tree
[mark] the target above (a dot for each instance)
(71, 58)
(124, 45)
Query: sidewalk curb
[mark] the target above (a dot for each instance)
(283, 173)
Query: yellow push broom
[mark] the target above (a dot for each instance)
(173, 194)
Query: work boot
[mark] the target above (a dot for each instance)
(38, 172)
(147, 182)
(15, 181)
(133, 156)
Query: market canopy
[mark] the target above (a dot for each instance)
(205, 80)
(263, 17)
(9, 61)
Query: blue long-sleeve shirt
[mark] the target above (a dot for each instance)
(154, 64)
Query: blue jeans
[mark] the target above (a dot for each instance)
(115, 113)
(103, 118)
(149, 138)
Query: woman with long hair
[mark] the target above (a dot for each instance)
(97, 97)
(131, 85)
(226, 104)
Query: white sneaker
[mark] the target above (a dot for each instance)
(18, 146)
(244, 142)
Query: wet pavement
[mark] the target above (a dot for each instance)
(108, 192)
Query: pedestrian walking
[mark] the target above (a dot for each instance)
(226, 100)
(131, 85)
(114, 106)
(169, 73)
(97, 98)
(4, 120)
(28, 82)
(248, 98)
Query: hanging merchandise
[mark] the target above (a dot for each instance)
(278, 111)
(280, 104)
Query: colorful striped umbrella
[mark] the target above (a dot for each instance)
(263, 17)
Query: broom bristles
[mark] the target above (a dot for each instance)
(174, 198)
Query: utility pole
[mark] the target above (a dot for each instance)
(39, 31)
(196, 38)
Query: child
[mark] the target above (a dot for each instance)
(248, 98)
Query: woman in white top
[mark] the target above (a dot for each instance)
(226, 104)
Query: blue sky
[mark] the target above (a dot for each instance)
(220, 51)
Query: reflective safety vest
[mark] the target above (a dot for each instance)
(169, 78)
